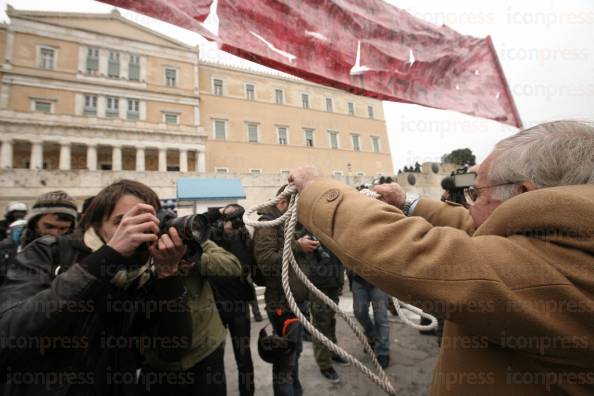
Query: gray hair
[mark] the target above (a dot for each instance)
(551, 154)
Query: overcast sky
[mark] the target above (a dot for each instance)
(546, 48)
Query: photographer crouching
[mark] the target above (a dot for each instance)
(69, 320)
(512, 276)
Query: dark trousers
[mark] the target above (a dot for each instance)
(207, 377)
(285, 372)
(236, 317)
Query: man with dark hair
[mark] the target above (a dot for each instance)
(233, 294)
(53, 213)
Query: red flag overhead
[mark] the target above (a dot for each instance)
(365, 47)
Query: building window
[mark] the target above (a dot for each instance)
(93, 60)
(370, 111)
(252, 133)
(375, 144)
(356, 145)
(329, 105)
(336, 173)
(333, 139)
(218, 87)
(113, 67)
(170, 77)
(133, 109)
(282, 135)
(90, 105)
(256, 171)
(309, 137)
(134, 68)
(351, 108)
(221, 170)
(278, 93)
(47, 58)
(360, 173)
(250, 92)
(171, 118)
(284, 173)
(220, 130)
(43, 106)
(113, 107)
(305, 100)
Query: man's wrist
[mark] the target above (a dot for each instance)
(410, 203)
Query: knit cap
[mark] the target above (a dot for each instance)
(53, 202)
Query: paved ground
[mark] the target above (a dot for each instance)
(412, 359)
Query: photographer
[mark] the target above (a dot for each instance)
(514, 281)
(66, 322)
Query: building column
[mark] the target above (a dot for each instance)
(183, 160)
(140, 159)
(91, 157)
(162, 160)
(36, 161)
(65, 156)
(200, 161)
(116, 158)
(6, 154)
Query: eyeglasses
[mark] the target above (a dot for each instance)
(472, 193)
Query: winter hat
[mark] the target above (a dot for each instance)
(53, 202)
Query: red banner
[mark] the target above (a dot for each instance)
(365, 47)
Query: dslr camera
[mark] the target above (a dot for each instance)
(456, 183)
(192, 229)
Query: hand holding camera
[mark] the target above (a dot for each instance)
(167, 253)
(138, 226)
(307, 244)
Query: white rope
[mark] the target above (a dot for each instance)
(289, 221)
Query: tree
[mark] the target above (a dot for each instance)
(417, 167)
(459, 157)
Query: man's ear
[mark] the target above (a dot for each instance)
(526, 186)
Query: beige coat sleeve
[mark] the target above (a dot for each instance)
(441, 214)
(485, 283)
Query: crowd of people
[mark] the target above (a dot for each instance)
(111, 301)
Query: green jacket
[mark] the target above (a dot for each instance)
(208, 330)
(268, 249)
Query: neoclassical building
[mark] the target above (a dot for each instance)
(86, 99)
(97, 92)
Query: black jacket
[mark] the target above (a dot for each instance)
(65, 330)
(230, 289)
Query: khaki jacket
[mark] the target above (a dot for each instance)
(208, 332)
(268, 251)
(517, 294)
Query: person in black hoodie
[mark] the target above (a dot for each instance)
(77, 312)
(233, 295)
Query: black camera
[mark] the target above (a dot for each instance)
(192, 229)
(320, 252)
(456, 183)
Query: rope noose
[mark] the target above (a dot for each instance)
(289, 222)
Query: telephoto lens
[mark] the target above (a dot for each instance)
(192, 229)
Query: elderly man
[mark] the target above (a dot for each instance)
(513, 276)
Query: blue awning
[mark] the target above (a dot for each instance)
(209, 189)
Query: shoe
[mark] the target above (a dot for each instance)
(383, 360)
(331, 375)
(340, 360)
